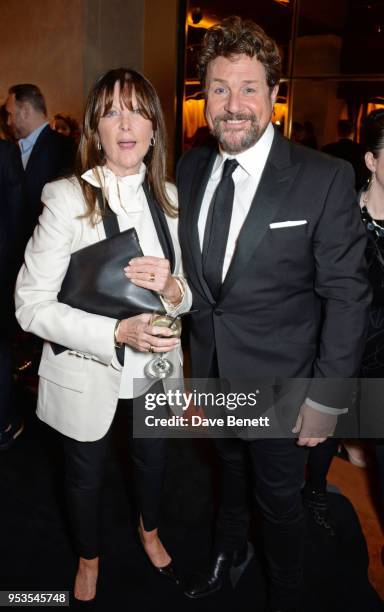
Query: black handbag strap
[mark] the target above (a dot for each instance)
(111, 228)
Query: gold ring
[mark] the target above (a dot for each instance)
(151, 349)
(151, 277)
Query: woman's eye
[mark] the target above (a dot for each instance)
(136, 111)
(111, 113)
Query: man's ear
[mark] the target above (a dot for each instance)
(274, 93)
(25, 110)
(370, 161)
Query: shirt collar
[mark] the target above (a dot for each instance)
(27, 143)
(100, 176)
(120, 191)
(252, 160)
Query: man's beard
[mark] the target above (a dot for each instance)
(229, 141)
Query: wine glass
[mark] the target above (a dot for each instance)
(159, 367)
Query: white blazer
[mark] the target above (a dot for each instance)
(79, 388)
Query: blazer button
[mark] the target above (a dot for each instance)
(218, 312)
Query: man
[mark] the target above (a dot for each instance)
(45, 154)
(12, 212)
(346, 148)
(276, 269)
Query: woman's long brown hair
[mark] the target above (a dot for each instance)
(90, 154)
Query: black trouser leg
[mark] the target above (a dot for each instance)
(278, 470)
(319, 461)
(5, 382)
(233, 518)
(149, 457)
(84, 476)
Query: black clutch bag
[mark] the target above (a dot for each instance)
(95, 280)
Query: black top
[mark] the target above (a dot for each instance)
(375, 255)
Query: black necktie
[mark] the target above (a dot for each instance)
(217, 228)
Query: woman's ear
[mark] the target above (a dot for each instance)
(370, 161)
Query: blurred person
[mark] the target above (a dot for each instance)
(6, 133)
(67, 126)
(346, 148)
(12, 211)
(278, 295)
(46, 154)
(122, 158)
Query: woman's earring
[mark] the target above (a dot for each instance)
(98, 145)
(152, 141)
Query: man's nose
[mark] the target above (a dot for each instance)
(233, 104)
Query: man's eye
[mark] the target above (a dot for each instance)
(249, 90)
(220, 90)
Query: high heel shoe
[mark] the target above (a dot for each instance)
(168, 571)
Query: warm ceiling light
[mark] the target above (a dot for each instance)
(284, 2)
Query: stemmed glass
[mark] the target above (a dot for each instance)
(160, 367)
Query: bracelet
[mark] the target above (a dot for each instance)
(181, 286)
(116, 331)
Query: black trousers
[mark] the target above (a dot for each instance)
(277, 469)
(6, 410)
(84, 477)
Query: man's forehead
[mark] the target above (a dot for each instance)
(236, 66)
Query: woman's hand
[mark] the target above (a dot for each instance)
(140, 335)
(154, 273)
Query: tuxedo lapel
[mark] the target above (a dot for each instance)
(202, 173)
(275, 182)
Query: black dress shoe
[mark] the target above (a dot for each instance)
(216, 575)
(317, 504)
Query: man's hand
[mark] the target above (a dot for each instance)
(313, 426)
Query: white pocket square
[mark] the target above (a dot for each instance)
(287, 224)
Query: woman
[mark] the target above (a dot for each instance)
(122, 145)
(371, 201)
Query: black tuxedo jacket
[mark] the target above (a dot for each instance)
(295, 300)
(52, 157)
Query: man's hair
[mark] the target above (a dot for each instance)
(234, 36)
(26, 92)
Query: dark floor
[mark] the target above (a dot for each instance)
(35, 549)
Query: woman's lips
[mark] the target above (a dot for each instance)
(126, 144)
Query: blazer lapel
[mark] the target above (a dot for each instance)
(161, 226)
(275, 182)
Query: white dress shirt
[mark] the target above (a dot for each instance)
(246, 178)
